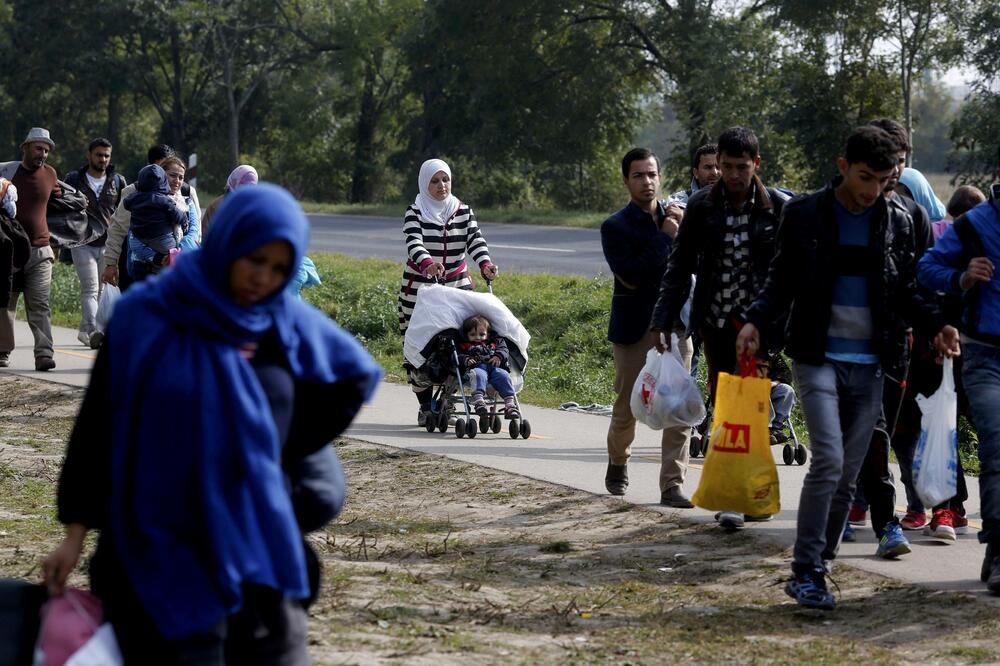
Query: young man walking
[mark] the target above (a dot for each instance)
(704, 173)
(845, 267)
(726, 240)
(963, 261)
(103, 188)
(36, 182)
(637, 242)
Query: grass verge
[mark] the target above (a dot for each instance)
(561, 218)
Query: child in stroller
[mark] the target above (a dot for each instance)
(485, 357)
(431, 348)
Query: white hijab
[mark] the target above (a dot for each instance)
(430, 208)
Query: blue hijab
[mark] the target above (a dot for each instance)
(199, 502)
(923, 194)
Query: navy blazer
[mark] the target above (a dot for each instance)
(636, 251)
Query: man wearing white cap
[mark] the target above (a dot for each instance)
(36, 183)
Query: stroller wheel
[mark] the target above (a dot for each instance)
(787, 454)
(471, 428)
(459, 428)
(525, 430)
(430, 424)
(694, 448)
(497, 423)
(801, 454)
(442, 423)
(514, 429)
(484, 424)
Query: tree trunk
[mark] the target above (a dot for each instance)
(176, 125)
(234, 113)
(114, 117)
(364, 146)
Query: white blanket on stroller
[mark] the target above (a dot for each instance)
(440, 308)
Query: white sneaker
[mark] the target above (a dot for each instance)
(84, 338)
(730, 520)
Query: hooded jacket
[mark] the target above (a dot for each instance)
(154, 213)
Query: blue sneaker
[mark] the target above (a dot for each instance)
(809, 590)
(893, 543)
(850, 535)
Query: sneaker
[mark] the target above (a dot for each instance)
(779, 436)
(850, 536)
(858, 515)
(96, 338)
(762, 518)
(809, 590)
(942, 525)
(893, 543)
(960, 522)
(479, 406)
(84, 338)
(4, 359)
(44, 363)
(510, 409)
(730, 520)
(913, 520)
(421, 417)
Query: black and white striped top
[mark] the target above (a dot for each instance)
(451, 244)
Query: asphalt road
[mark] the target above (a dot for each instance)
(569, 449)
(524, 248)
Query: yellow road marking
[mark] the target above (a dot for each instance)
(90, 356)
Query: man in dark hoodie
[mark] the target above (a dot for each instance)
(157, 223)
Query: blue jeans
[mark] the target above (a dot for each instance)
(498, 378)
(841, 402)
(981, 374)
(782, 401)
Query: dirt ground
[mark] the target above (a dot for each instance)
(440, 562)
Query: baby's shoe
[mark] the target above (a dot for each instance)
(479, 405)
(510, 408)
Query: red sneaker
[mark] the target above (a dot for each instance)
(913, 520)
(942, 525)
(857, 516)
(960, 522)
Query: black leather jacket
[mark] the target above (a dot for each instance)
(802, 274)
(698, 249)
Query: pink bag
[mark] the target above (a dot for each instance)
(68, 622)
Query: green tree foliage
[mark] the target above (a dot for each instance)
(532, 103)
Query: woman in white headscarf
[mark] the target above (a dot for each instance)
(442, 236)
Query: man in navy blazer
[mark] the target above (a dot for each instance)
(637, 241)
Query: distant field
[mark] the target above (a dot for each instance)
(941, 182)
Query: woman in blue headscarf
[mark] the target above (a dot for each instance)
(200, 451)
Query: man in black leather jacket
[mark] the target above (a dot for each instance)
(846, 267)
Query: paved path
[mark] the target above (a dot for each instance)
(514, 247)
(569, 449)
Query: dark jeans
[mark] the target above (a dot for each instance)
(981, 374)
(720, 354)
(841, 403)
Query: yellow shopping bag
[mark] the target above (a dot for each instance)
(739, 472)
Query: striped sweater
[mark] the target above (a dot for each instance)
(429, 242)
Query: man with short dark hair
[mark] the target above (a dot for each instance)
(103, 187)
(845, 272)
(36, 183)
(727, 240)
(636, 242)
(963, 262)
(704, 173)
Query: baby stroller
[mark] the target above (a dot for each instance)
(431, 351)
(783, 433)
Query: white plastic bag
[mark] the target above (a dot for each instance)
(935, 461)
(109, 296)
(665, 394)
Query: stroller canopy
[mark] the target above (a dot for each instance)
(440, 308)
